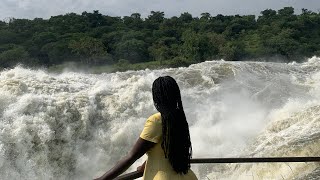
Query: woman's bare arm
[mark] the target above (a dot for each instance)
(138, 150)
(142, 167)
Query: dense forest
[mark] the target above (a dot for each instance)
(94, 39)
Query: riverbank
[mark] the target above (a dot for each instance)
(121, 66)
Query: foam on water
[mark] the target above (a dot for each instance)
(77, 125)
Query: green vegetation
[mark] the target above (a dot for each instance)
(131, 42)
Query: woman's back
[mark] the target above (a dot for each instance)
(165, 138)
(158, 167)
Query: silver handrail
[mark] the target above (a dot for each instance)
(137, 174)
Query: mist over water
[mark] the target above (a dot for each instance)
(78, 125)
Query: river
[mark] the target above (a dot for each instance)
(76, 125)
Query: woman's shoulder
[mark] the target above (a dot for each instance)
(155, 117)
(152, 129)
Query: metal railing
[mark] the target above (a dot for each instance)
(137, 174)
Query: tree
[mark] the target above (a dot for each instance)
(186, 17)
(239, 25)
(216, 42)
(190, 44)
(205, 16)
(159, 52)
(3, 25)
(286, 11)
(195, 46)
(162, 49)
(133, 35)
(133, 22)
(156, 16)
(8, 37)
(94, 19)
(268, 13)
(43, 38)
(283, 43)
(95, 38)
(88, 48)
(154, 20)
(133, 50)
(136, 15)
(68, 23)
(233, 51)
(111, 39)
(14, 56)
(306, 12)
(57, 52)
(20, 25)
(171, 28)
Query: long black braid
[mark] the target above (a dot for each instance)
(176, 142)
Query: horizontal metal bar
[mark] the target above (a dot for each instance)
(137, 174)
(255, 160)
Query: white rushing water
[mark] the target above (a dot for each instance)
(78, 125)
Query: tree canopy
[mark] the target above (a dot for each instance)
(92, 38)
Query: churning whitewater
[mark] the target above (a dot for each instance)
(78, 125)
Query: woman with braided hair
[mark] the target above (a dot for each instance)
(165, 138)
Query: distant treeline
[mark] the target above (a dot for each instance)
(96, 39)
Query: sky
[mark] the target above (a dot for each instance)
(46, 8)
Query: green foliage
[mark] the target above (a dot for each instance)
(69, 23)
(287, 11)
(159, 52)
(8, 37)
(205, 16)
(14, 56)
(233, 51)
(3, 24)
(88, 49)
(92, 38)
(179, 62)
(132, 49)
(186, 17)
(122, 65)
(156, 16)
(40, 39)
(253, 45)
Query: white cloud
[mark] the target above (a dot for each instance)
(46, 8)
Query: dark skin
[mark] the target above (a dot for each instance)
(141, 168)
(138, 150)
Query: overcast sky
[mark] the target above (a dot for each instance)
(46, 8)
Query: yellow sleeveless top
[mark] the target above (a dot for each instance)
(157, 166)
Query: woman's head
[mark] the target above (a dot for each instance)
(176, 142)
(166, 94)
